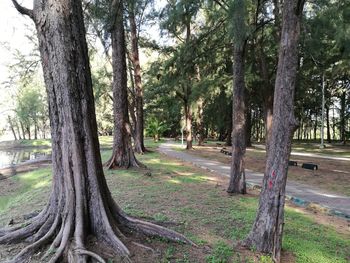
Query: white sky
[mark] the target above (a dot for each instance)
(13, 27)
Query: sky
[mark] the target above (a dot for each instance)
(13, 27)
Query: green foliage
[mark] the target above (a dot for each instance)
(155, 128)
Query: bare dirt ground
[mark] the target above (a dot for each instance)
(332, 175)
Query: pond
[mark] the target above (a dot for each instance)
(12, 157)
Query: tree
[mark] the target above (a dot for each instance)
(266, 233)
(80, 204)
(123, 154)
(135, 60)
(237, 175)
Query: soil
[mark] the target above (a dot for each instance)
(328, 176)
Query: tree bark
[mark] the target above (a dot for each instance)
(342, 117)
(200, 131)
(188, 120)
(267, 230)
(135, 59)
(23, 132)
(329, 140)
(237, 182)
(12, 127)
(80, 204)
(248, 136)
(123, 154)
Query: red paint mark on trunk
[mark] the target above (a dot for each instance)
(270, 184)
(273, 173)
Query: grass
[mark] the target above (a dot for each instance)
(197, 203)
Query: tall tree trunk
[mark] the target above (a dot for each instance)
(267, 230)
(23, 131)
(80, 204)
(12, 127)
(123, 154)
(18, 131)
(315, 128)
(248, 136)
(35, 129)
(329, 140)
(200, 105)
(135, 59)
(237, 175)
(188, 121)
(333, 124)
(28, 132)
(342, 117)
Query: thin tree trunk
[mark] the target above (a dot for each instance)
(35, 130)
(267, 230)
(333, 124)
(123, 154)
(248, 136)
(12, 127)
(237, 182)
(188, 120)
(23, 132)
(342, 117)
(329, 140)
(135, 59)
(28, 132)
(315, 128)
(80, 204)
(18, 131)
(200, 104)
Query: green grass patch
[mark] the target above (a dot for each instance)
(180, 193)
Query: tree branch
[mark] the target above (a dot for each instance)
(23, 10)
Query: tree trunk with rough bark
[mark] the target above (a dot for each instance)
(329, 140)
(188, 120)
(123, 154)
(80, 205)
(23, 131)
(12, 127)
(267, 230)
(342, 122)
(237, 182)
(200, 105)
(248, 130)
(135, 59)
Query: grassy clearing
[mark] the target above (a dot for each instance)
(194, 203)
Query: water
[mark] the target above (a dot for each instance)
(12, 157)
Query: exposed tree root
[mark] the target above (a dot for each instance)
(126, 160)
(61, 230)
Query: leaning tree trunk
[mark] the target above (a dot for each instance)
(135, 59)
(12, 127)
(237, 176)
(80, 204)
(123, 154)
(266, 233)
(23, 131)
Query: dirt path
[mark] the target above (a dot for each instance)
(300, 194)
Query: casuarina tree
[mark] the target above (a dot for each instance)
(80, 205)
(266, 234)
(123, 154)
